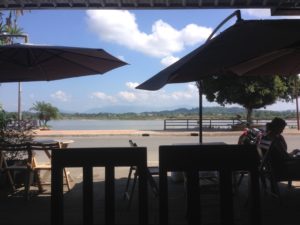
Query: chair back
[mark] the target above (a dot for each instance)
(263, 148)
(222, 158)
(15, 149)
(97, 157)
(37, 146)
(11, 151)
(46, 147)
(132, 144)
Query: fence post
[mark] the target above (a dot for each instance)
(187, 124)
(165, 124)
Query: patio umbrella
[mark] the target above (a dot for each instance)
(249, 47)
(28, 62)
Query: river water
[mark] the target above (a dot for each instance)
(106, 124)
(136, 124)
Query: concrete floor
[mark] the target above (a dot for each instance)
(16, 210)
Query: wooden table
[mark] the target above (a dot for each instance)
(62, 144)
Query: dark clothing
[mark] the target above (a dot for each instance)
(278, 152)
(280, 159)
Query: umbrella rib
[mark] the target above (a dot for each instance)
(36, 62)
(59, 55)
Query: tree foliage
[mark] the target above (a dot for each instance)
(14, 132)
(9, 25)
(45, 112)
(251, 92)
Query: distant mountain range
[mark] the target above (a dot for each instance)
(206, 110)
(128, 109)
(214, 110)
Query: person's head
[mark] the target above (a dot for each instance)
(277, 125)
(268, 127)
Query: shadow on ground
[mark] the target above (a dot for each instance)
(15, 210)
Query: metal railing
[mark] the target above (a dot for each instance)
(193, 124)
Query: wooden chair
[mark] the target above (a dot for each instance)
(25, 166)
(38, 167)
(271, 172)
(133, 170)
(222, 158)
(95, 157)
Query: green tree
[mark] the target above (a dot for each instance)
(251, 92)
(45, 112)
(9, 25)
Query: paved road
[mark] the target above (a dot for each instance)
(152, 142)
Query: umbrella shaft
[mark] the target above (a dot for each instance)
(19, 101)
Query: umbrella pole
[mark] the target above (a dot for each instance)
(200, 110)
(297, 105)
(297, 112)
(11, 37)
(236, 13)
(19, 102)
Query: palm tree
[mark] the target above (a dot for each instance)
(9, 26)
(45, 112)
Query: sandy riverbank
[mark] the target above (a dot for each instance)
(58, 133)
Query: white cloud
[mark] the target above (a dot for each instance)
(61, 96)
(265, 13)
(259, 13)
(160, 97)
(189, 93)
(120, 26)
(103, 97)
(128, 96)
(168, 60)
(193, 34)
(132, 85)
(121, 57)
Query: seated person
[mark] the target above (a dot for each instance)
(278, 154)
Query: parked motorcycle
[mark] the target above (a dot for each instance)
(250, 136)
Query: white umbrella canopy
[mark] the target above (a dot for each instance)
(28, 62)
(249, 47)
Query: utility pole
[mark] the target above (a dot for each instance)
(11, 36)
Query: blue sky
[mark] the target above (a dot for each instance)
(148, 40)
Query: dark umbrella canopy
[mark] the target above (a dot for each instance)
(27, 62)
(249, 47)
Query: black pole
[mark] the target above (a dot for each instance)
(236, 13)
(297, 113)
(200, 85)
(296, 95)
